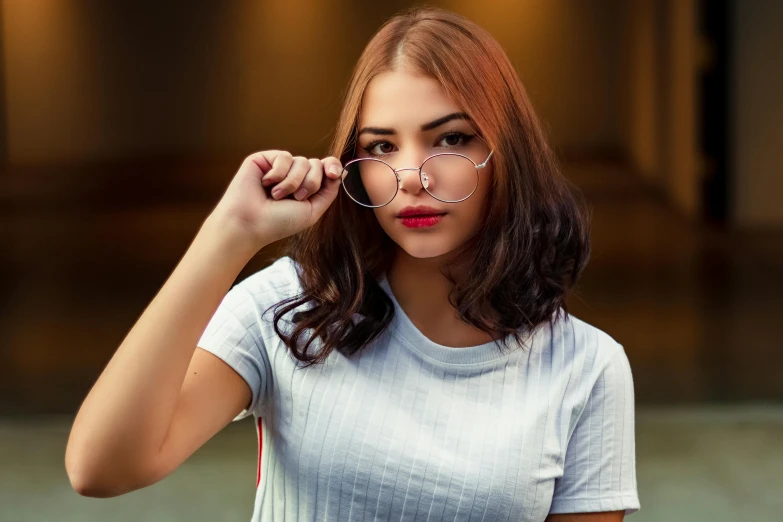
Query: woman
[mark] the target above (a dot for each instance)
(415, 368)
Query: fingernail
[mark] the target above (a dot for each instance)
(300, 194)
(276, 193)
(334, 169)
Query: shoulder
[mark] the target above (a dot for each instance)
(277, 280)
(584, 351)
(256, 294)
(590, 340)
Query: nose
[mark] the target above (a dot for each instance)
(408, 174)
(409, 180)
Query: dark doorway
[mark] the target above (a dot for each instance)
(715, 109)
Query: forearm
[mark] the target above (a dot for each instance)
(125, 417)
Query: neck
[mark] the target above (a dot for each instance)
(422, 292)
(419, 283)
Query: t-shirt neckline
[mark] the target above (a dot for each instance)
(447, 354)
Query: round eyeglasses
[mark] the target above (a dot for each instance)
(449, 177)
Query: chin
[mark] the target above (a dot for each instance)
(424, 247)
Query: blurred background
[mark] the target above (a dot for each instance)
(121, 123)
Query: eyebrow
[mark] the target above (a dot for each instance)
(427, 126)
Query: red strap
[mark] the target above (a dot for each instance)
(260, 446)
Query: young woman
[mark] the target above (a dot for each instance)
(398, 367)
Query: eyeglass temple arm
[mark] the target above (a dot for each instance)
(484, 164)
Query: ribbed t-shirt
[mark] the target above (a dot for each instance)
(408, 429)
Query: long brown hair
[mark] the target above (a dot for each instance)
(534, 242)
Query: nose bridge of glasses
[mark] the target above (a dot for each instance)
(415, 169)
(401, 175)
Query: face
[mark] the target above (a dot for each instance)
(393, 126)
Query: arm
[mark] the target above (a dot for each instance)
(137, 423)
(160, 398)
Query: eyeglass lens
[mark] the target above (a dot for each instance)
(447, 177)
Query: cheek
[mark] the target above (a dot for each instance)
(470, 215)
(474, 205)
(385, 218)
(485, 181)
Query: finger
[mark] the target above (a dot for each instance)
(329, 162)
(312, 180)
(325, 196)
(263, 159)
(280, 165)
(257, 164)
(293, 178)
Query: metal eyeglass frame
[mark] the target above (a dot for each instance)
(421, 179)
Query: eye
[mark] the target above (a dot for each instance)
(460, 138)
(369, 148)
(452, 140)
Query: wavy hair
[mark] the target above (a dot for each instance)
(534, 242)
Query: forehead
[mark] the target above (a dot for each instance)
(403, 100)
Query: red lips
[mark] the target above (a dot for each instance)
(420, 210)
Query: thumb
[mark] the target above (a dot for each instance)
(325, 195)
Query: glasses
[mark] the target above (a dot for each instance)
(449, 177)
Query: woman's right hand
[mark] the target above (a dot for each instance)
(253, 204)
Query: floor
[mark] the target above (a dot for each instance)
(705, 464)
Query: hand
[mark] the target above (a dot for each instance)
(275, 195)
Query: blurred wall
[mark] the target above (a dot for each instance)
(665, 53)
(642, 33)
(758, 113)
(92, 80)
(662, 40)
(3, 133)
(679, 146)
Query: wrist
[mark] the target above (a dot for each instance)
(230, 236)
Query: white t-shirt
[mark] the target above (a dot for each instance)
(408, 429)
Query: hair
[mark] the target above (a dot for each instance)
(533, 245)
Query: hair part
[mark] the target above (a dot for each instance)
(534, 243)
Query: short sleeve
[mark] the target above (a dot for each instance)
(234, 335)
(599, 471)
